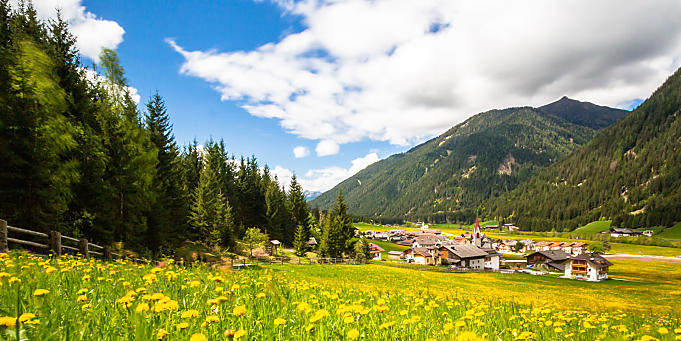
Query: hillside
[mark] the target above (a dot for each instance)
(630, 173)
(583, 113)
(445, 178)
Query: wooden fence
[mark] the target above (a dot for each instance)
(54, 242)
(291, 260)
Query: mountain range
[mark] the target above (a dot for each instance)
(489, 154)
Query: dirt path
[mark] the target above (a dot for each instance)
(659, 259)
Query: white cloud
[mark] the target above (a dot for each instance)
(95, 77)
(300, 152)
(321, 180)
(92, 33)
(327, 147)
(284, 176)
(404, 70)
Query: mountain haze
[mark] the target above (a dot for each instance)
(630, 172)
(489, 154)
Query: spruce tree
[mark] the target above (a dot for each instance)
(300, 241)
(298, 207)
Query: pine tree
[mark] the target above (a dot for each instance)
(168, 211)
(300, 241)
(344, 222)
(298, 207)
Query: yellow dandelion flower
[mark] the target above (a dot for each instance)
(460, 324)
(239, 334)
(41, 292)
(279, 322)
(239, 310)
(260, 295)
(14, 280)
(82, 291)
(353, 334)
(198, 337)
(194, 284)
(161, 334)
(8, 321)
(50, 269)
(81, 298)
(26, 317)
(387, 325)
(212, 318)
(182, 325)
(142, 307)
(190, 313)
(86, 306)
(558, 330)
(663, 331)
(348, 319)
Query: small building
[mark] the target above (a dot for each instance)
(395, 255)
(493, 260)
(422, 255)
(617, 232)
(648, 233)
(311, 243)
(511, 227)
(464, 256)
(375, 251)
(274, 246)
(587, 266)
(425, 241)
(552, 259)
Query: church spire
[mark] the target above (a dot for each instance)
(477, 235)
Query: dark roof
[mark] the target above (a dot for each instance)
(406, 242)
(423, 251)
(556, 265)
(466, 251)
(553, 255)
(595, 258)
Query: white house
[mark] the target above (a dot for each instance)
(588, 266)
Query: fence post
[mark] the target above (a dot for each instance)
(83, 248)
(282, 260)
(55, 243)
(231, 262)
(244, 262)
(3, 236)
(107, 253)
(298, 260)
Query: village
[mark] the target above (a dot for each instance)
(478, 252)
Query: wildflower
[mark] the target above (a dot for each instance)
(279, 322)
(460, 324)
(81, 298)
(190, 313)
(161, 333)
(353, 334)
(387, 325)
(86, 306)
(40, 292)
(319, 314)
(194, 284)
(663, 331)
(8, 321)
(558, 330)
(212, 318)
(142, 307)
(82, 291)
(14, 280)
(182, 325)
(239, 310)
(229, 333)
(348, 319)
(50, 269)
(26, 317)
(198, 337)
(239, 333)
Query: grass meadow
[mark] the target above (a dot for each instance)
(77, 299)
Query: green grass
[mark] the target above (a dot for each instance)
(649, 250)
(673, 232)
(94, 300)
(387, 246)
(594, 227)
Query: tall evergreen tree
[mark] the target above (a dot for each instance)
(298, 207)
(168, 211)
(344, 222)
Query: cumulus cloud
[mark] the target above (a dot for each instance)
(283, 175)
(403, 70)
(327, 147)
(323, 179)
(300, 152)
(132, 91)
(92, 33)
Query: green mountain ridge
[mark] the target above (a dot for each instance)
(447, 177)
(630, 173)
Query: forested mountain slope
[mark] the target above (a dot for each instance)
(630, 172)
(446, 178)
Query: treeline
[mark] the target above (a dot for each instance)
(77, 156)
(630, 173)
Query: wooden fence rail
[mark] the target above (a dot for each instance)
(55, 242)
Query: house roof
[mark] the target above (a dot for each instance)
(312, 241)
(553, 255)
(406, 242)
(375, 248)
(423, 251)
(466, 251)
(275, 242)
(594, 258)
(556, 265)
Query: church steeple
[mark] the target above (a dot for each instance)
(477, 235)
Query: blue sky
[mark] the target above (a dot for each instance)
(349, 82)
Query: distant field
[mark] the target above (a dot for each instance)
(594, 227)
(673, 232)
(633, 249)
